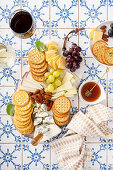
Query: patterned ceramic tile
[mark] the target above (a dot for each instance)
(93, 71)
(54, 161)
(110, 123)
(6, 8)
(61, 33)
(5, 98)
(110, 97)
(8, 133)
(64, 14)
(8, 38)
(84, 43)
(10, 157)
(98, 160)
(39, 10)
(110, 77)
(110, 156)
(74, 105)
(92, 13)
(110, 10)
(28, 44)
(36, 157)
(10, 76)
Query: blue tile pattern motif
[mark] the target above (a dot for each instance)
(10, 159)
(54, 19)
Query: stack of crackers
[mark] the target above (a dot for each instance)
(38, 65)
(61, 110)
(23, 111)
(103, 53)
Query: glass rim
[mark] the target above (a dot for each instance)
(13, 14)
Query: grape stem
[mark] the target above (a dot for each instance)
(67, 36)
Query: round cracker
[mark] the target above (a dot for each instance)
(38, 74)
(62, 104)
(100, 54)
(96, 46)
(57, 113)
(62, 119)
(20, 98)
(41, 70)
(60, 123)
(109, 56)
(37, 66)
(24, 113)
(39, 78)
(28, 130)
(19, 124)
(26, 107)
(36, 57)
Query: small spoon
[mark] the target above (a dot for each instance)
(88, 93)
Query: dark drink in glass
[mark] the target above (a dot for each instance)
(22, 23)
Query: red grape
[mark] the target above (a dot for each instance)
(73, 69)
(78, 49)
(74, 45)
(65, 53)
(68, 65)
(76, 64)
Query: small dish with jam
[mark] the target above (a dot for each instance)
(97, 95)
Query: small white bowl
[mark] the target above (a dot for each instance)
(100, 99)
(110, 40)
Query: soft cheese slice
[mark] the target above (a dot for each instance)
(92, 33)
(37, 121)
(61, 62)
(65, 86)
(97, 35)
(41, 114)
(67, 77)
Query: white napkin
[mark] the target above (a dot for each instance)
(70, 149)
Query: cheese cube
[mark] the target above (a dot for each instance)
(92, 33)
(97, 35)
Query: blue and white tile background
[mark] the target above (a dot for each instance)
(55, 18)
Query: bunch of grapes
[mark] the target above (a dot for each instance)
(73, 58)
(53, 79)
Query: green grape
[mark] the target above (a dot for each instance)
(51, 79)
(47, 81)
(54, 85)
(61, 72)
(59, 78)
(56, 74)
(51, 70)
(47, 74)
(50, 87)
(46, 89)
(57, 82)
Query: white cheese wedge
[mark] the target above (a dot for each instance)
(68, 76)
(43, 106)
(42, 128)
(65, 86)
(48, 120)
(41, 114)
(37, 121)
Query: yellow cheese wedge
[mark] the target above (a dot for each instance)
(50, 54)
(92, 33)
(50, 63)
(61, 62)
(51, 43)
(97, 35)
(54, 60)
(54, 47)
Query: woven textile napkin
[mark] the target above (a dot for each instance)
(70, 149)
